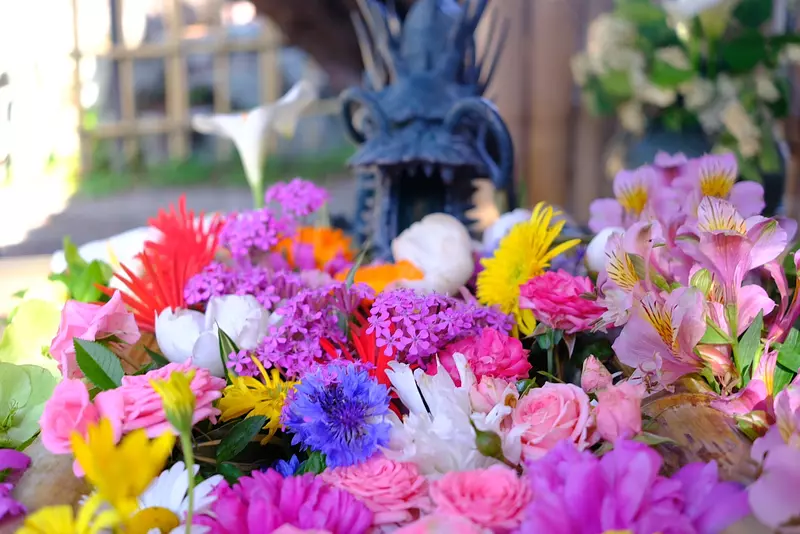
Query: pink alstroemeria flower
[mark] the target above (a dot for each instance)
(662, 333)
(714, 175)
(757, 394)
(730, 246)
(788, 311)
(631, 192)
(670, 166)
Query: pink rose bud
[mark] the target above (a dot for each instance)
(619, 411)
(594, 375)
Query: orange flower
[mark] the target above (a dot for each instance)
(378, 277)
(327, 244)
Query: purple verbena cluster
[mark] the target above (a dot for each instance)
(297, 198)
(250, 232)
(306, 319)
(415, 327)
(267, 286)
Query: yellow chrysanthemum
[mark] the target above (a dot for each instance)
(523, 254)
(120, 473)
(178, 399)
(62, 520)
(248, 395)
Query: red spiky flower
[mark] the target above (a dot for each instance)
(187, 245)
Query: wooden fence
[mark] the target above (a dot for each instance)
(174, 50)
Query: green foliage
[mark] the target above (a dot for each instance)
(617, 84)
(314, 464)
(81, 278)
(665, 75)
(788, 361)
(226, 347)
(26, 339)
(748, 348)
(639, 11)
(239, 437)
(98, 364)
(753, 13)
(744, 52)
(24, 389)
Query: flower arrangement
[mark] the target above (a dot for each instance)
(692, 64)
(295, 386)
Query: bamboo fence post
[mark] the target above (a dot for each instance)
(270, 72)
(177, 105)
(222, 85)
(84, 159)
(126, 80)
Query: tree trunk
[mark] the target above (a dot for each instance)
(324, 30)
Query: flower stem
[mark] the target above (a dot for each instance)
(550, 358)
(188, 456)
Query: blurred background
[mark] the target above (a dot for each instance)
(96, 100)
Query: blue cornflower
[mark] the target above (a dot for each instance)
(287, 469)
(339, 410)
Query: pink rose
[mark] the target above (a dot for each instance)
(68, 410)
(594, 375)
(90, 322)
(556, 299)
(619, 411)
(552, 413)
(291, 529)
(494, 498)
(441, 524)
(490, 354)
(490, 392)
(394, 491)
(143, 407)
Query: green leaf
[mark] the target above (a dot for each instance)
(782, 378)
(652, 439)
(314, 464)
(72, 256)
(82, 287)
(640, 11)
(158, 359)
(742, 54)
(551, 377)
(665, 75)
(525, 385)
(19, 294)
(769, 160)
(146, 369)
(100, 365)
(748, 347)
(617, 83)
(230, 472)
(240, 435)
(351, 274)
(226, 347)
(714, 335)
(753, 13)
(788, 361)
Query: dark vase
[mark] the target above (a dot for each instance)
(695, 143)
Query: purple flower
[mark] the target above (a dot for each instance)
(578, 493)
(249, 233)
(12, 465)
(416, 327)
(269, 287)
(265, 501)
(297, 198)
(287, 469)
(339, 410)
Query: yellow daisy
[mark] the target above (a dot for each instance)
(108, 466)
(248, 395)
(62, 519)
(178, 399)
(524, 253)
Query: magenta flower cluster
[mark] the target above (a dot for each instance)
(578, 493)
(307, 318)
(266, 501)
(269, 287)
(297, 198)
(415, 327)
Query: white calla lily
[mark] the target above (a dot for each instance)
(249, 131)
(190, 334)
(439, 246)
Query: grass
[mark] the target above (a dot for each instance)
(102, 181)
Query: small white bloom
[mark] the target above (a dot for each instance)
(697, 93)
(596, 250)
(170, 489)
(442, 439)
(497, 231)
(743, 128)
(632, 117)
(185, 334)
(249, 131)
(440, 246)
(765, 87)
(675, 57)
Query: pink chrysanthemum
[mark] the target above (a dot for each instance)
(266, 501)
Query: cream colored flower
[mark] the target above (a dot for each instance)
(441, 247)
(581, 67)
(675, 57)
(713, 14)
(742, 127)
(792, 53)
(765, 86)
(632, 117)
(697, 93)
(249, 131)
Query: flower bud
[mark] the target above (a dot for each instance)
(178, 400)
(594, 375)
(718, 360)
(596, 250)
(489, 444)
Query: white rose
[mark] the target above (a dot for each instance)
(500, 228)
(596, 251)
(241, 317)
(440, 246)
(182, 335)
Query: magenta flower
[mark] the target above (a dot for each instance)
(12, 465)
(263, 502)
(661, 335)
(578, 493)
(491, 353)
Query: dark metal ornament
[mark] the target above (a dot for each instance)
(424, 130)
